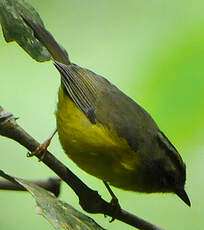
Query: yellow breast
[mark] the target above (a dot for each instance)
(93, 147)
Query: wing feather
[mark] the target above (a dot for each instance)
(82, 87)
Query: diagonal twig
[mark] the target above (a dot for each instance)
(89, 199)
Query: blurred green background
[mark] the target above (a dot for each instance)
(154, 52)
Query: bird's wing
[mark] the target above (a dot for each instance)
(118, 112)
(104, 103)
(82, 86)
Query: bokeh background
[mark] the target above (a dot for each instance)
(154, 52)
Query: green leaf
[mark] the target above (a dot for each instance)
(57, 212)
(14, 28)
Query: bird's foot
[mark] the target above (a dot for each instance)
(115, 208)
(41, 150)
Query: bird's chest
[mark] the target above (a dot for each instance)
(93, 147)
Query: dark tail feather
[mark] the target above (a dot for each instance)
(46, 38)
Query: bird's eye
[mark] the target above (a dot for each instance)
(164, 182)
(170, 178)
(167, 180)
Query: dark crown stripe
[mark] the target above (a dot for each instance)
(171, 151)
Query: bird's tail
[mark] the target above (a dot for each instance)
(46, 38)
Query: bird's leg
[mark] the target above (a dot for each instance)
(114, 202)
(41, 149)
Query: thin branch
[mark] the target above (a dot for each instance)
(51, 184)
(89, 199)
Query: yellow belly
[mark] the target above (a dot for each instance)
(94, 148)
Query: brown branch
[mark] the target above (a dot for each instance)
(51, 184)
(89, 199)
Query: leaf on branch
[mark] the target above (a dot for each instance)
(14, 29)
(57, 212)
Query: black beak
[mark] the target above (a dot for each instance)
(183, 195)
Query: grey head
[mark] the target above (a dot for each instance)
(169, 171)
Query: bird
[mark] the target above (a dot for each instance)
(109, 135)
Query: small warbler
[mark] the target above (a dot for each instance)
(109, 135)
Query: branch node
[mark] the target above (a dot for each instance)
(91, 202)
(89, 199)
